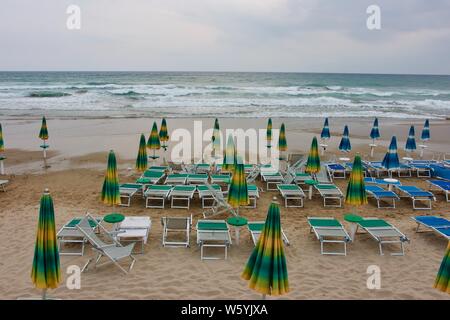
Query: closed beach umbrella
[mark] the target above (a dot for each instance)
(229, 158)
(345, 145)
(375, 132)
(238, 192)
(2, 148)
(313, 163)
(282, 143)
(43, 135)
(141, 160)
(45, 272)
(216, 136)
(163, 134)
(391, 161)
(426, 131)
(153, 141)
(110, 190)
(325, 134)
(266, 267)
(269, 133)
(356, 191)
(2, 144)
(442, 281)
(411, 141)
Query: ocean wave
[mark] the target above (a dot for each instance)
(47, 94)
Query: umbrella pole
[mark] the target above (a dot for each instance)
(264, 296)
(2, 168)
(44, 294)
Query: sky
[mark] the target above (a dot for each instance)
(227, 35)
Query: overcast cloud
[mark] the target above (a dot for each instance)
(227, 35)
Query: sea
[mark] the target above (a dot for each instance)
(223, 94)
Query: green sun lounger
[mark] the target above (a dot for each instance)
(182, 193)
(329, 230)
(158, 193)
(213, 233)
(256, 227)
(291, 193)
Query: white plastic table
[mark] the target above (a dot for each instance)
(390, 182)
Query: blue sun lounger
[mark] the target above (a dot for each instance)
(422, 167)
(416, 194)
(436, 224)
(381, 195)
(377, 168)
(336, 170)
(441, 185)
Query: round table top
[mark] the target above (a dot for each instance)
(237, 221)
(390, 180)
(344, 159)
(44, 146)
(372, 145)
(408, 158)
(352, 218)
(114, 217)
(310, 182)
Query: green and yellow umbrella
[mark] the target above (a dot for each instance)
(356, 191)
(153, 141)
(43, 133)
(282, 143)
(229, 158)
(110, 190)
(2, 144)
(45, 272)
(269, 133)
(266, 268)
(313, 163)
(141, 160)
(238, 192)
(163, 134)
(442, 282)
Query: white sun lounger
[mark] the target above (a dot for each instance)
(157, 192)
(197, 178)
(134, 229)
(220, 205)
(176, 225)
(256, 227)
(330, 193)
(69, 234)
(3, 184)
(253, 195)
(384, 233)
(381, 195)
(293, 193)
(182, 193)
(329, 230)
(272, 178)
(127, 191)
(206, 194)
(213, 233)
(301, 177)
(176, 178)
(114, 250)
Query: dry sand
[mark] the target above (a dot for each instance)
(75, 180)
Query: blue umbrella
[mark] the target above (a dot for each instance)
(391, 161)
(345, 141)
(426, 131)
(375, 133)
(411, 141)
(325, 134)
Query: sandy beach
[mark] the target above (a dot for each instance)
(77, 159)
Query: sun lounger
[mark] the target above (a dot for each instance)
(253, 174)
(416, 194)
(422, 167)
(405, 171)
(151, 177)
(253, 195)
(376, 167)
(256, 227)
(159, 168)
(329, 230)
(272, 178)
(158, 193)
(3, 184)
(293, 193)
(384, 233)
(202, 168)
(331, 193)
(441, 185)
(220, 204)
(134, 229)
(206, 194)
(127, 191)
(69, 234)
(301, 177)
(381, 195)
(114, 250)
(336, 170)
(176, 178)
(323, 176)
(213, 233)
(220, 179)
(200, 178)
(179, 225)
(437, 224)
(182, 193)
